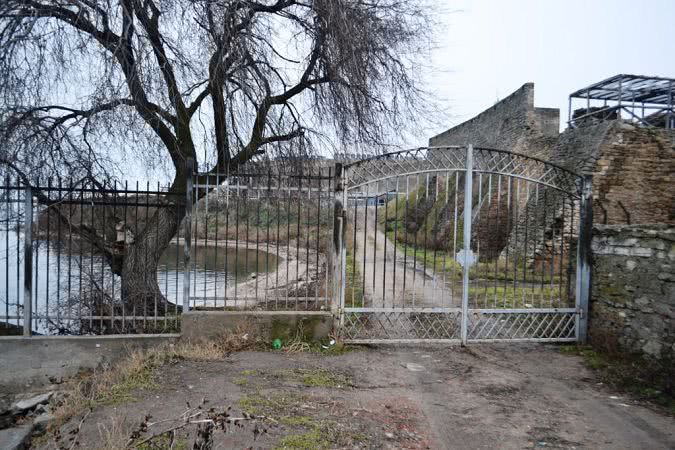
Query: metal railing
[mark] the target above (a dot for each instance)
(63, 247)
(272, 233)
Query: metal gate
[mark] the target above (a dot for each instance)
(461, 244)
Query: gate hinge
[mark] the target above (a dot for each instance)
(580, 312)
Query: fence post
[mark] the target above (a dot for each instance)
(187, 239)
(468, 215)
(28, 263)
(583, 282)
(338, 243)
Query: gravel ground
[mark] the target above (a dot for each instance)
(485, 396)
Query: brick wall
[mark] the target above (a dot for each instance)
(633, 294)
(634, 177)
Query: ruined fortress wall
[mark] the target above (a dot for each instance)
(634, 177)
(512, 124)
(633, 170)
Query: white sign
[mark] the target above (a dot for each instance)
(467, 259)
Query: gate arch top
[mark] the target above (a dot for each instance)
(453, 158)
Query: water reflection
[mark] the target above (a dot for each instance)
(57, 274)
(214, 268)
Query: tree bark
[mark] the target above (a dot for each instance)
(140, 289)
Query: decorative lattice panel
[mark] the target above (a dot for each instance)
(390, 326)
(506, 325)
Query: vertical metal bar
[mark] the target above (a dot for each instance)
(278, 192)
(236, 241)
(28, 262)
(207, 193)
(446, 249)
(105, 223)
(434, 231)
(288, 237)
(584, 259)
(377, 200)
(228, 184)
(308, 231)
(187, 237)
(515, 241)
(298, 199)
(339, 283)
(257, 236)
(365, 241)
(416, 206)
(405, 235)
(395, 262)
(18, 254)
(59, 249)
(70, 251)
(268, 195)
(454, 234)
(124, 229)
(146, 257)
(425, 230)
(384, 242)
(468, 186)
(318, 237)
(8, 195)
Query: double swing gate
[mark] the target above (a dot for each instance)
(461, 244)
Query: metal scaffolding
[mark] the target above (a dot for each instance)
(649, 101)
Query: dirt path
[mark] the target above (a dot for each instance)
(298, 273)
(391, 279)
(480, 397)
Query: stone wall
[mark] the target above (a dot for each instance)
(513, 124)
(633, 289)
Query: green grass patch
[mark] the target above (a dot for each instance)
(312, 440)
(353, 284)
(269, 405)
(313, 377)
(140, 377)
(298, 421)
(318, 434)
(518, 297)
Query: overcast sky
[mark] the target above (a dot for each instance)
(489, 48)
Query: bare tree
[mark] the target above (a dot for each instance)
(176, 79)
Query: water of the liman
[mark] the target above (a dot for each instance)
(59, 275)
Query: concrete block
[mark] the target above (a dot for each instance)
(29, 362)
(263, 325)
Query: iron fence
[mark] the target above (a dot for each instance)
(65, 245)
(272, 232)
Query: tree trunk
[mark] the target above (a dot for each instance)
(140, 289)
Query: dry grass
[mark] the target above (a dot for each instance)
(137, 373)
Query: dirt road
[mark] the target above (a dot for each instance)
(391, 278)
(480, 397)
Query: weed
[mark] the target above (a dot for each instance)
(240, 381)
(312, 440)
(639, 376)
(269, 405)
(313, 377)
(137, 372)
(298, 421)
